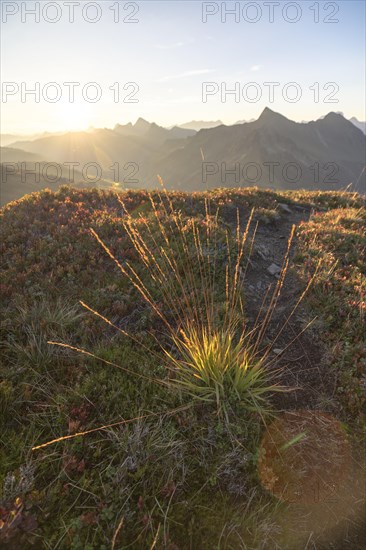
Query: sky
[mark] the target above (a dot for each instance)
(172, 61)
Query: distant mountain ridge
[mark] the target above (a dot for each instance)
(359, 124)
(11, 154)
(198, 125)
(272, 151)
(324, 154)
(142, 128)
(8, 139)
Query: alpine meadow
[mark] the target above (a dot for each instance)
(183, 275)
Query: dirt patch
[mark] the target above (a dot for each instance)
(297, 350)
(304, 363)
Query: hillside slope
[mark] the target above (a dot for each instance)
(326, 154)
(178, 474)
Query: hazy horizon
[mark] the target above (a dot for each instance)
(134, 121)
(165, 53)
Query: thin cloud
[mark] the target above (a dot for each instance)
(186, 74)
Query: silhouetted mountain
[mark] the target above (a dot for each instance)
(148, 130)
(198, 125)
(105, 147)
(10, 154)
(359, 124)
(8, 139)
(125, 143)
(245, 121)
(19, 180)
(273, 151)
(124, 154)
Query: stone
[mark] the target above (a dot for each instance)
(284, 208)
(274, 269)
(263, 251)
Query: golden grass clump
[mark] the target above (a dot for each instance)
(192, 278)
(190, 270)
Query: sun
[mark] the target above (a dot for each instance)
(74, 116)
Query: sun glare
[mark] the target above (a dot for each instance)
(74, 116)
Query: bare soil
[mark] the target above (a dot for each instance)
(305, 368)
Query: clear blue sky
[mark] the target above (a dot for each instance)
(170, 52)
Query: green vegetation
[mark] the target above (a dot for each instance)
(214, 357)
(171, 368)
(338, 239)
(216, 369)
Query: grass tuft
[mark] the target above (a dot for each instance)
(220, 369)
(212, 356)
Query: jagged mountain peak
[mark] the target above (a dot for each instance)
(268, 114)
(143, 124)
(269, 118)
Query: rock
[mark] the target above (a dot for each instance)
(284, 208)
(263, 251)
(278, 351)
(274, 269)
(267, 219)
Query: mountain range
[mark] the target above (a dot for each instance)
(198, 125)
(271, 151)
(359, 124)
